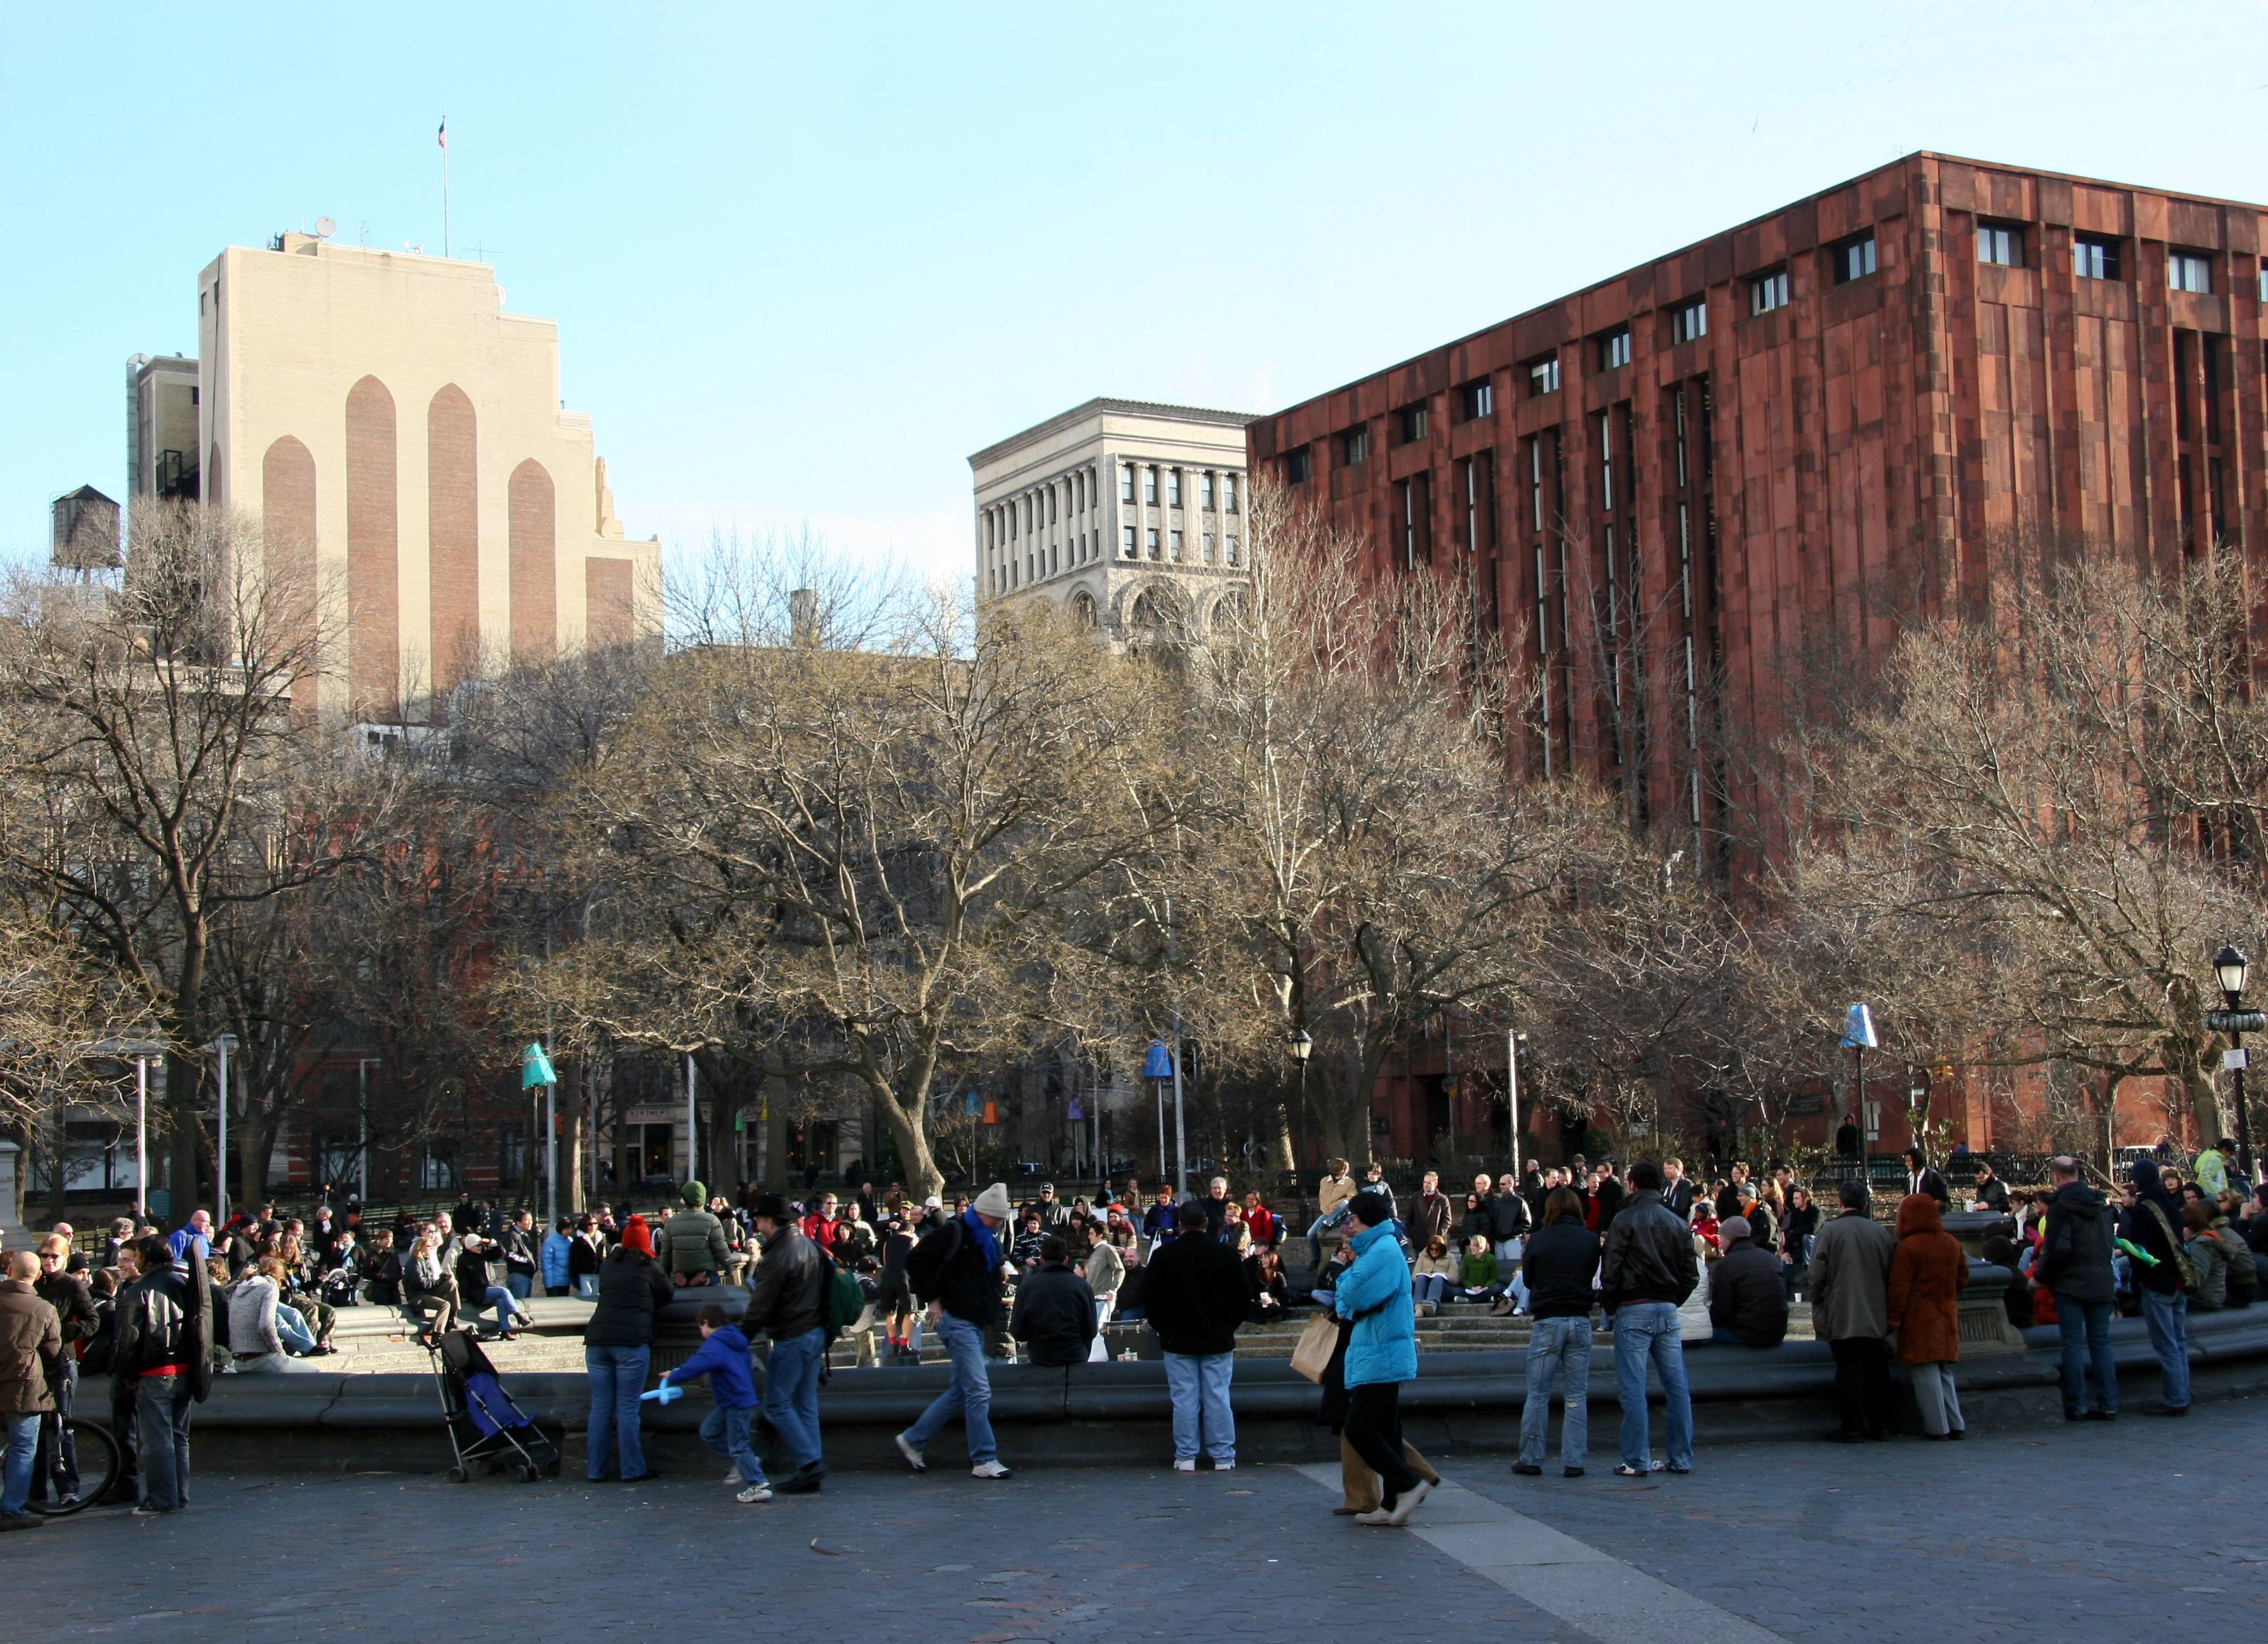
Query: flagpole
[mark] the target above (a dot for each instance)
(445, 184)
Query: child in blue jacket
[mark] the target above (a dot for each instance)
(723, 1357)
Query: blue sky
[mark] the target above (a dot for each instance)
(806, 259)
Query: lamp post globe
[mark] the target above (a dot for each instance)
(2235, 971)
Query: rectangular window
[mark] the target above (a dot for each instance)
(1408, 424)
(1126, 545)
(1228, 549)
(1150, 486)
(1126, 482)
(1299, 467)
(2187, 271)
(2264, 281)
(2093, 257)
(1478, 399)
(1854, 258)
(1150, 540)
(2000, 242)
(1690, 321)
(1768, 291)
(1172, 488)
(1354, 447)
(1205, 491)
(1205, 548)
(1543, 376)
(1614, 348)
(1174, 545)
(1228, 488)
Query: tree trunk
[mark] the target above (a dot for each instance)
(1279, 1154)
(922, 1176)
(775, 1145)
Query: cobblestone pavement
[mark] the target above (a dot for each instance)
(2029, 1534)
(2035, 1534)
(1117, 1555)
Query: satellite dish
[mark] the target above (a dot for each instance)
(325, 227)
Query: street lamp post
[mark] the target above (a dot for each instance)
(140, 1140)
(1302, 1048)
(2234, 970)
(222, 1044)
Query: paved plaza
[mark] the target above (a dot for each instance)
(2030, 1534)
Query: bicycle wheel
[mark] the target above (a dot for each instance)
(98, 1468)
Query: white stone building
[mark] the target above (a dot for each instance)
(1127, 515)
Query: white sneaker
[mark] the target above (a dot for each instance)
(1180, 1466)
(733, 1476)
(1408, 1502)
(1376, 1515)
(1223, 1467)
(913, 1457)
(988, 1470)
(754, 1493)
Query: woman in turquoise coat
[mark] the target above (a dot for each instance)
(1382, 1354)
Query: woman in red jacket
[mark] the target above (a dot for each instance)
(1927, 1275)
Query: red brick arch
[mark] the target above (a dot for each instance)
(452, 516)
(373, 553)
(534, 523)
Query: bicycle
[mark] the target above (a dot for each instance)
(97, 1457)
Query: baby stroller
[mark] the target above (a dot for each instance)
(485, 1427)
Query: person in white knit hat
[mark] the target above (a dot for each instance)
(956, 1270)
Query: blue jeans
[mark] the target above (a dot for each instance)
(1558, 1350)
(522, 1286)
(2087, 1341)
(292, 1327)
(1316, 1235)
(1429, 1287)
(2168, 1320)
(1202, 1412)
(968, 1395)
(617, 1377)
(792, 1394)
(1645, 1332)
(727, 1432)
(161, 1424)
(587, 1287)
(15, 1480)
(507, 1307)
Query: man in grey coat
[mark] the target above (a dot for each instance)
(1850, 1313)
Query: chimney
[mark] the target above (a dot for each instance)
(803, 616)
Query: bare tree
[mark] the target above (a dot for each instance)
(151, 717)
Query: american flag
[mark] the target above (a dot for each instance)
(445, 131)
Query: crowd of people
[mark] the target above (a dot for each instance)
(1582, 1250)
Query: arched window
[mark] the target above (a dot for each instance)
(1082, 609)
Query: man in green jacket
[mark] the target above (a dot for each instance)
(694, 1250)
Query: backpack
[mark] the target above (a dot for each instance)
(2184, 1264)
(844, 1300)
(926, 1262)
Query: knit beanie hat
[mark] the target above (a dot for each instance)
(638, 1236)
(993, 1201)
(1734, 1228)
(695, 1193)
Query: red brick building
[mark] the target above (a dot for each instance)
(1665, 479)
(1662, 482)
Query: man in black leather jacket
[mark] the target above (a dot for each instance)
(165, 1348)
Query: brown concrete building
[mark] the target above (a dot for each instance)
(1660, 482)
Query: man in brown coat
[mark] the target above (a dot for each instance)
(31, 1346)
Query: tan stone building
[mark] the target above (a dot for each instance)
(1128, 516)
(386, 419)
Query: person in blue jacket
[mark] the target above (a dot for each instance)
(1382, 1354)
(552, 1259)
(723, 1357)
